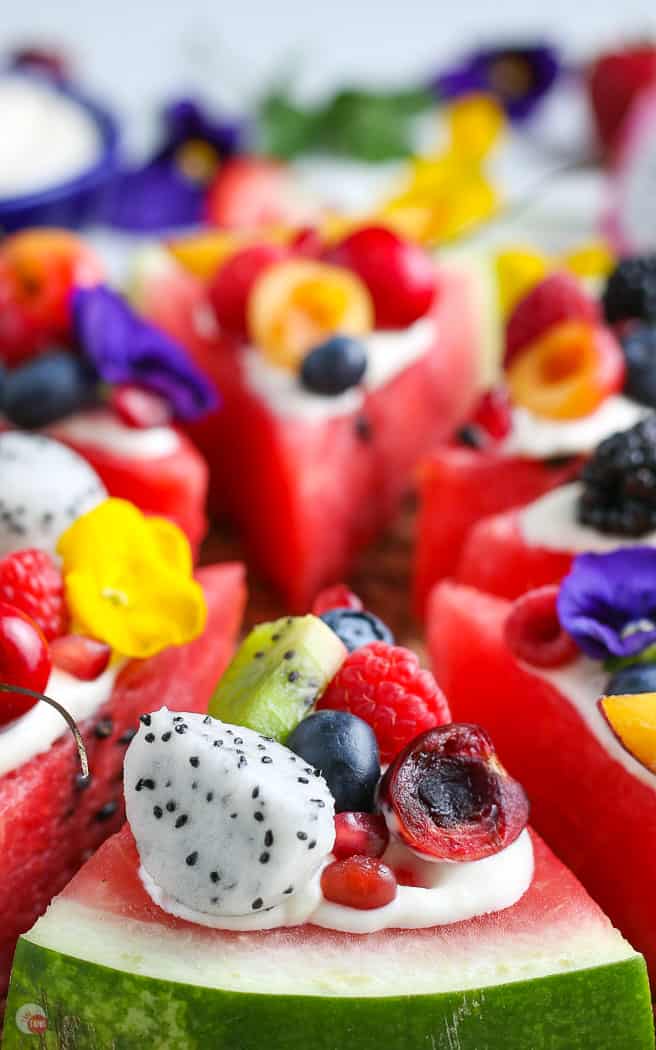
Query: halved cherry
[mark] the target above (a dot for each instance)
(568, 372)
(361, 834)
(364, 883)
(232, 284)
(533, 631)
(24, 661)
(448, 797)
(295, 304)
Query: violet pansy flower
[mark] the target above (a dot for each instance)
(518, 76)
(124, 348)
(608, 602)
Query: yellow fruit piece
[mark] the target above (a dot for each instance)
(518, 270)
(633, 720)
(298, 303)
(594, 259)
(555, 376)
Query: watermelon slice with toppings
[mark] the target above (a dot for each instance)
(48, 824)
(594, 803)
(309, 493)
(458, 487)
(104, 963)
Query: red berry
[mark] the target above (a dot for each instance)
(308, 242)
(24, 661)
(494, 413)
(449, 797)
(400, 276)
(615, 79)
(82, 657)
(31, 582)
(139, 408)
(533, 631)
(251, 192)
(556, 299)
(337, 597)
(231, 287)
(385, 686)
(359, 882)
(361, 834)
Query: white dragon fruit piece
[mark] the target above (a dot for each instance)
(44, 487)
(227, 822)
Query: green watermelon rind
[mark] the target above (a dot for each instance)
(94, 1007)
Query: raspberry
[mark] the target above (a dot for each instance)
(533, 632)
(31, 582)
(556, 299)
(385, 686)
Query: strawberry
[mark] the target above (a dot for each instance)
(558, 298)
(614, 81)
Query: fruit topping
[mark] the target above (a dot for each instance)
(493, 414)
(337, 597)
(308, 242)
(252, 192)
(385, 686)
(630, 293)
(230, 288)
(344, 748)
(357, 627)
(364, 883)
(277, 675)
(639, 346)
(614, 80)
(556, 299)
(226, 821)
(447, 797)
(82, 657)
(50, 387)
(533, 631)
(633, 720)
(400, 276)
(30, 580)
(140, 408)
(296, 304)
(24, 661)
(619, 483)
(334, 366)
(360, 834)
(635, 678)
(567, 372)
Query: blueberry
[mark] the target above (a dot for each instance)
(344, 748)
(637, 678)
(639, 345)
(357, 628)
(334, 366)
(47, 389)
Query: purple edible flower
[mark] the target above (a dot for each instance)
(608, 602)
(169, 190)
(518, 77)
(123, 348)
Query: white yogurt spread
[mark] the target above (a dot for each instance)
(551, 522)
(389, 352)
(539, 438)
(448, 892)
(47, 138)
(103, 430)
(36, 731)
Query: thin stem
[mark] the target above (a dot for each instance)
(70, 721)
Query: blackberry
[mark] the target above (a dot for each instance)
(630, 293)
(639, 346)
(619, 483)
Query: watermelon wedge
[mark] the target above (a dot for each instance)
(48, 826)
(458, 487)
(309, 493)
(106, 966)
(594, 803)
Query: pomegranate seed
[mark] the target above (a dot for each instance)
(359, 882)
(533, 631)
(364, 834)
(84, 658)
(337, 597)
(139, 408)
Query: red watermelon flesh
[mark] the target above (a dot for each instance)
(48, 827)
(460, 486)
(496, 558)
(598, 816)
(309, 495)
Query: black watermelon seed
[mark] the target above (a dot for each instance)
(257, 904)
(106, 812)
(158, 812)
(103, 728)
(182, 820)
(192, 858)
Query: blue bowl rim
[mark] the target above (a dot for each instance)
(101, 170)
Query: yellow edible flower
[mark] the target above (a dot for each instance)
(594, 260)
(518, 270)
(129, 581)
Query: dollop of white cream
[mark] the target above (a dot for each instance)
(447, 893)
(539, 438)
(47, 138)
(551, 522)
(36, 731)
(389, 352)
(101, 429)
